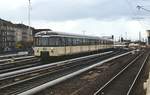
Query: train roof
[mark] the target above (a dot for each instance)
(63, 34)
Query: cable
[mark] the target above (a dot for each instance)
(134, 14)
(141, 7)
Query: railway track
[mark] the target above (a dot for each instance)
(12, 64)
(8, 65)
(89, 80)
(19, 54)
(24, 81)
(123, 82)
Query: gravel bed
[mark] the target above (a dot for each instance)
(120, 86)
(140, 86)
(89, 82)
(44, 79)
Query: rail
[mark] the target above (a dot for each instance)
(118, 74)
(38, 68)
(51, 83)
(131, 87)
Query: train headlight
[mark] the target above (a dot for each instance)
(51, 48)
(38, 50)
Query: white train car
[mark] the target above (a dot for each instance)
(53, 43)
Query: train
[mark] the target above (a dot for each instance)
(53, 44)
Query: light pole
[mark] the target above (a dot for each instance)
(29, 34)
(29, 7)
(29, 18)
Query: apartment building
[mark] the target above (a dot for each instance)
(13, 34)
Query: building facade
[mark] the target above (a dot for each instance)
(13, 36)
(24, 37)
(7, 35)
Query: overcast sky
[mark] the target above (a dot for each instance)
(95, 17)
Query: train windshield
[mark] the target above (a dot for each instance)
(41, 41)
(47, 41)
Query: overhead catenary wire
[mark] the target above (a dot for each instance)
(139, 7)
(134, 14)
(142, 7)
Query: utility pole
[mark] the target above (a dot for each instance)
(29, 23)
(126, 35)
(29, 7)
(140, 36)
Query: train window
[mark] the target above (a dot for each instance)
(63, 41)
(94, 42)
(104, 42)
(40, 42)
(73, 41)
(83, 41)
(77, 41)
(87, 41)
(101, 41)
(69, 40)
(97, 42)
(66, 41)
(58, 41)
(90, 41)
(44, 41)
(52, 41)
(80, 41)
(107, 42)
